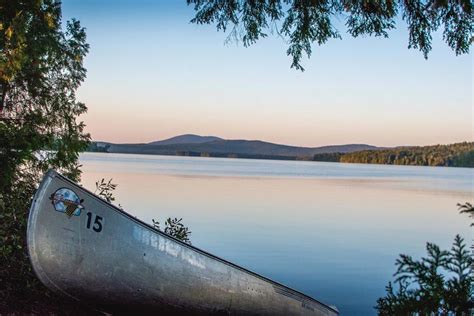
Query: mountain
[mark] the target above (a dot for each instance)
(195, 145)
(455, 155)
(186, 139)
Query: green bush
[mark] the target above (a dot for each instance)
(40, 70)
(439, 284)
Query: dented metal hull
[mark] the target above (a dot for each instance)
(88, 249)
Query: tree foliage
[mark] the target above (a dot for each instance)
(305, 22)
(454, 155)
(41, 66)
(438, 284)
(467, 208)
(174, 227)
(104, 189)
(330, 157)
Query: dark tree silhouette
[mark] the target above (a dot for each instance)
(438, 284)
(304, 22)
(467, 208)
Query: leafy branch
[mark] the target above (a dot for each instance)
(303, 23)
(174, 227)
(439, 284)
(104, 189)
(467, 208)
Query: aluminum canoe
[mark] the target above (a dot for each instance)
(87, 249)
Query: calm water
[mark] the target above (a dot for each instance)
(330, 230)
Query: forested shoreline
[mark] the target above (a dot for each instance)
(452, 155)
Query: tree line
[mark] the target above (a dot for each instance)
(452, 155)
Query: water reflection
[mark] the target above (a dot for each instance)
(332, 231)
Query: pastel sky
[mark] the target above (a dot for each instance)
(153, 75)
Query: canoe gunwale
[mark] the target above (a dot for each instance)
(39, 195)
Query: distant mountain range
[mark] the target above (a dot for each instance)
(186, 139)
(212, 146)
(452, 155)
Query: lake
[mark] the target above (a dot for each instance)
(330, 230)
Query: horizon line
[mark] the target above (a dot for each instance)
(281, 144)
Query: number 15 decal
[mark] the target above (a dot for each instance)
(96, 225)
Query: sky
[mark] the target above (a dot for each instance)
(153, 75)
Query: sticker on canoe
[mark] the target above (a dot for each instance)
(66, 201)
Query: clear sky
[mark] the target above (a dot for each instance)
(153, 75)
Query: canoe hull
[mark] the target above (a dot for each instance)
(87, 249)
